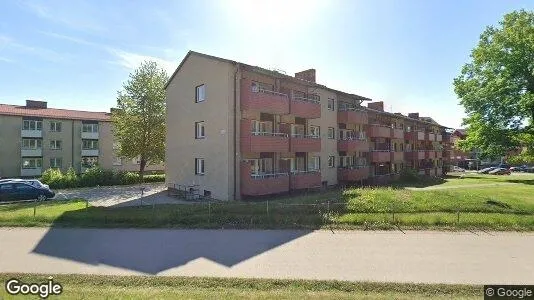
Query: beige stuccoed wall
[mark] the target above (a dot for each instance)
(182, 112)
(328, 146)
(10, 143)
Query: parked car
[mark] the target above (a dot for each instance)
(504, 166)
(457, 169)
(16, 190)
(500, 171)
(486, 170)
(33, 182)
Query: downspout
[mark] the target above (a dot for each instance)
(235, 129)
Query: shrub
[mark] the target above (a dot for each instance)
(154, 178)
(409, 175)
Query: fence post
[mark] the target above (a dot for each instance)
(35, 208)
(209, 212)
(267, 208)
(393, 214)
(86, 203)
(458, 218)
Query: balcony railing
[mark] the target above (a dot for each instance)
(31, 133)
(305, 107)
(353, 173)
(268, 175)
(265, 133)
(380, 156)
(305, 179)
(352, 116)
(298, 98)
(262, 184)
(353, 144)
(262, 141)
(305, 143)
(31, 152)
(379, 131)
(263, 100)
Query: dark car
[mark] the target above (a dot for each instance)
(14, 191)
(500, 171)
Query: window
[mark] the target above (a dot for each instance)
(314, 164)
(24, 187)
(331, 133)
(199, 166)
(31, 144)
(315, 131)
(260, 166)
(89, 162)
(117, 161)
(89, 127)
(32, 163)
(331, 161)
(55, 126)
(56, 162)
(5, 187)
(90, 144)
(261, 87)
(200, 93)
(32, 125)
(331, 104)
(199, 130)
(345, 161)
(55, 145)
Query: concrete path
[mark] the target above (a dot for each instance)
(481, 185)
(416, 256)
(127, 195)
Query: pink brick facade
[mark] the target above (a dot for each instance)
(262, 186)
(304, 144)
(306, 180)
(355, 174)
(305, 109)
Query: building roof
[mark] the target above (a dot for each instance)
(53, 113)
(261, 70)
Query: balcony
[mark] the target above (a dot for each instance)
(439, 137)
(31, 152)
(305, 180)
(352, 116)
(439, 154)
(305, 108)
(379, 131)
(414, 155)
(414, 135)
(304, 143)
(89, 152)
(431, 137)
(378, 156)
(353, 145)
(90, 135)
(353, 173)
(397, 133)
(263, 100)
(262, 141)
(262, 184)
(30, 172)
(31, 133)
(397, 156)
(430, 154)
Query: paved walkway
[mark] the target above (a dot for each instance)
(431, 257)
(446, 187)
(127, 195)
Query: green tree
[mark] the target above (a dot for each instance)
(139, 118)
(497, 87)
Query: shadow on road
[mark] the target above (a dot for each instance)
(154, 250)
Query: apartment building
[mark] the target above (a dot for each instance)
(236, 130)
(34, 138)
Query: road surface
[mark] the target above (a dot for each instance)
(417, 256)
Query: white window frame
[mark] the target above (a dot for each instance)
(55, 145)
(55, 126)
(32, 125)
(200, 130)
(92, 142)
(90, 127)
(200, 166)
(32, 144)
(32, 163)
(314, 164)
(315, 131)
(54, 162)
(331, 161)
(200, 93)
(331, 133)
(331, 104)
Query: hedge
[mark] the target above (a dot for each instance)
(93, 177)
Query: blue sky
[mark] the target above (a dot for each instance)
(76, 54)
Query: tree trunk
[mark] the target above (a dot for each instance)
(142, 166)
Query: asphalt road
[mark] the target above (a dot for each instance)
(430, 257)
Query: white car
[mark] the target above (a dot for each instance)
(457, 169)
(33, 182)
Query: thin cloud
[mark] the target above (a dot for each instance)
(69, 38)
(131, 60)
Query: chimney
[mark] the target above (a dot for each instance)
(308, 75)
(413, 115)
(35, 104)
(379, 105)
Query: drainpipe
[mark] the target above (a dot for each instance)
(235, 129)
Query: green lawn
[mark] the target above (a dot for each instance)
(142, 287)
(501, 207)
(459, 179)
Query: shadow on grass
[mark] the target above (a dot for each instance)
(524, 181)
